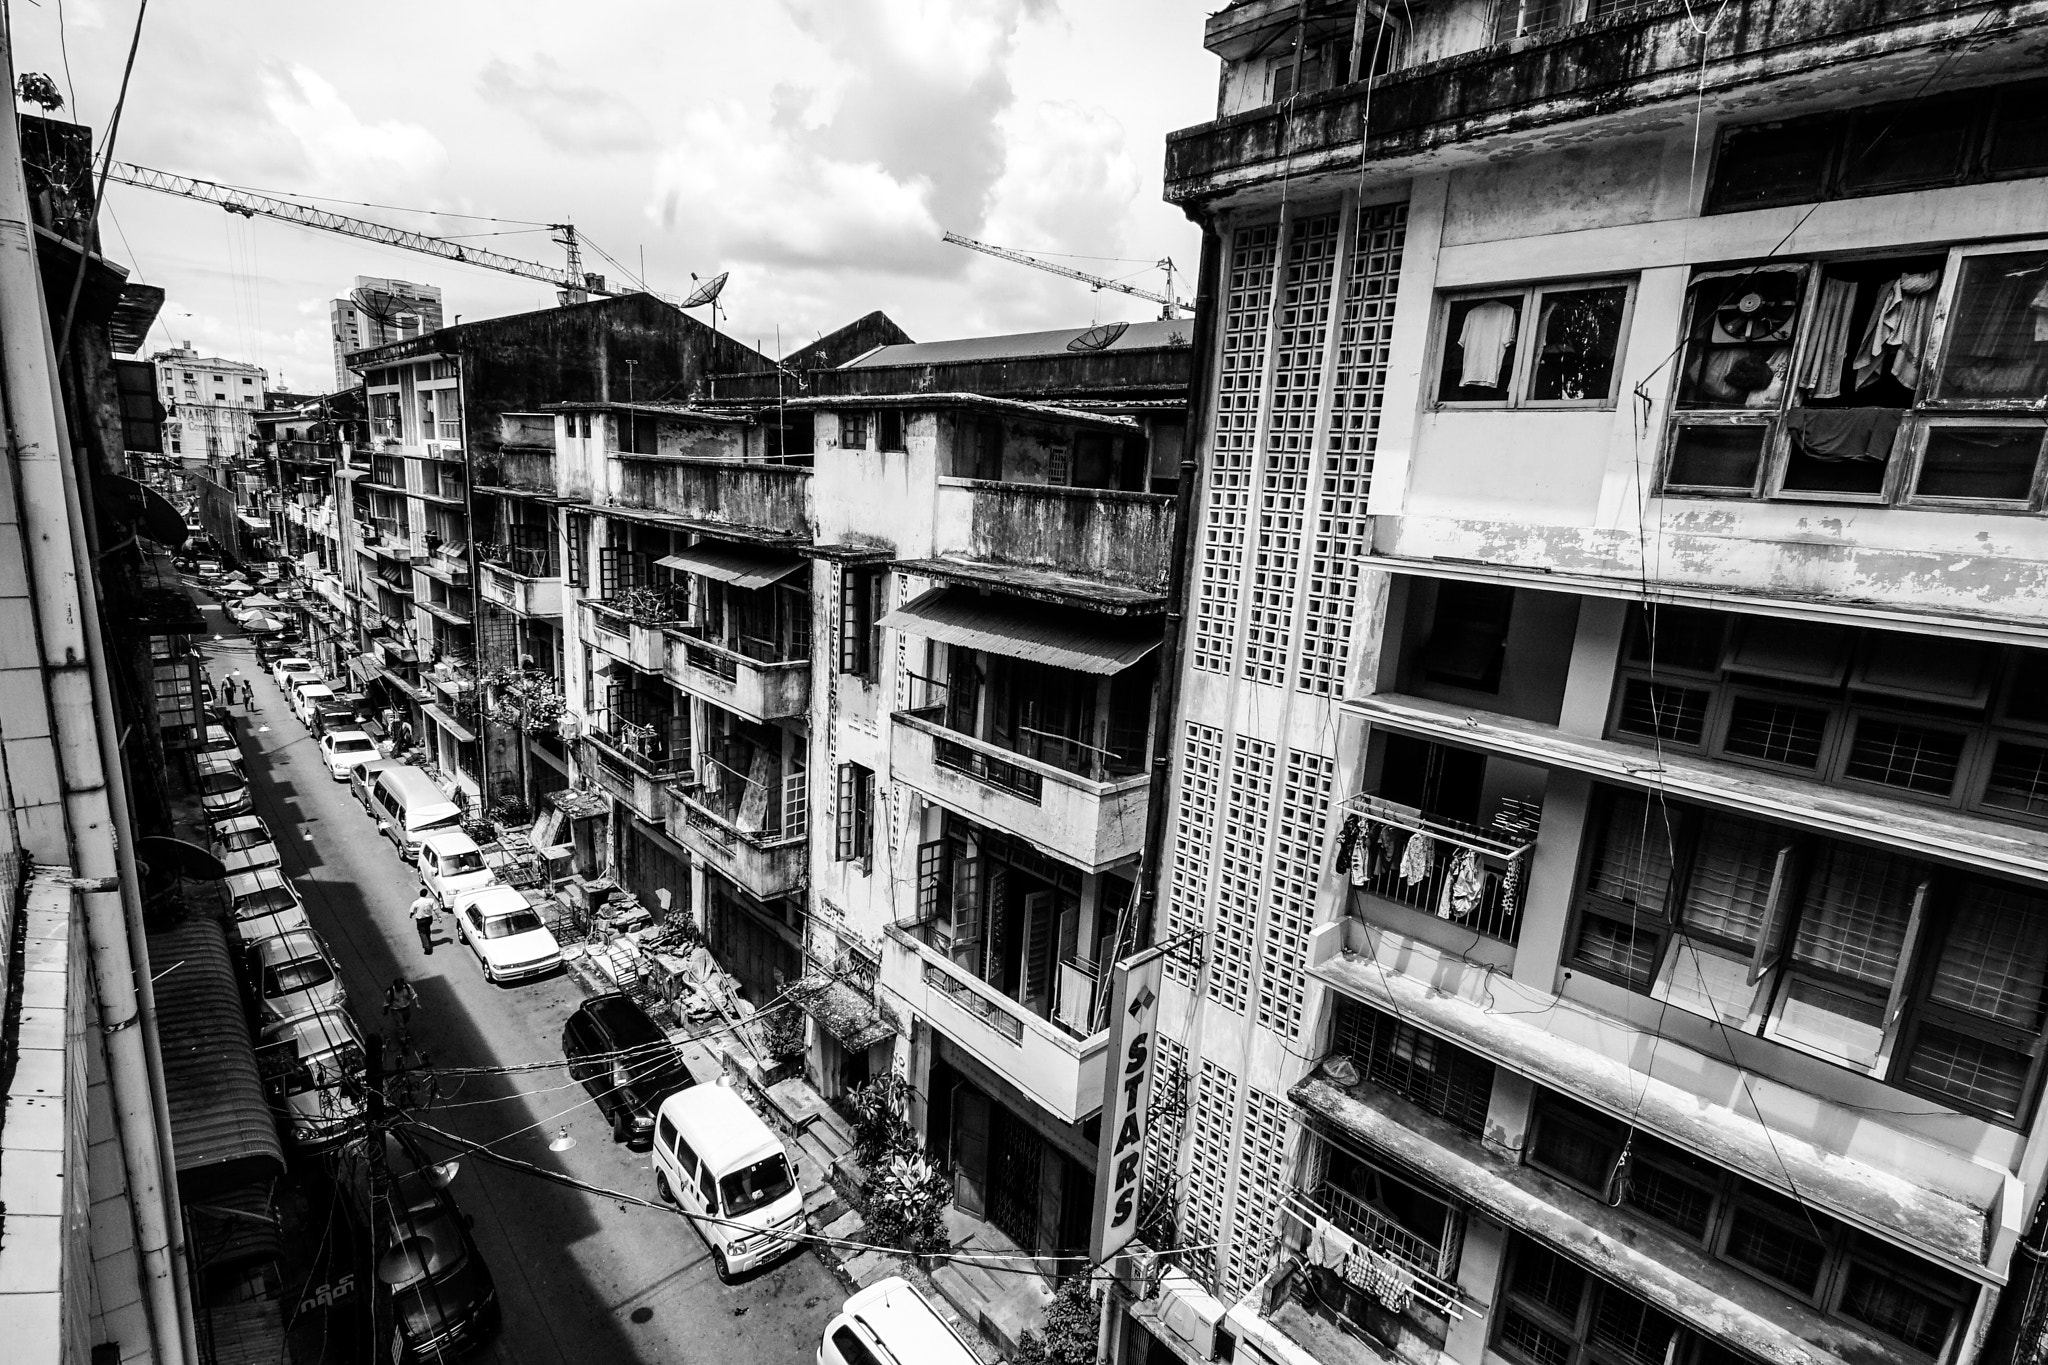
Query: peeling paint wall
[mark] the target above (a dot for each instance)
(1122, 538)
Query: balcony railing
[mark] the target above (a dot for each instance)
(984, 766)
(974, 1003)
(527, 563)
(1473, 877)
(646, 748)
(1382, 1253)
(1096, 763)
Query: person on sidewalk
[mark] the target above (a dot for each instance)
(234, 681)
(423, 910)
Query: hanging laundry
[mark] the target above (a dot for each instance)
(1510, 883)
(1362, 862)
(1386, 852)
(1484, 340)
(1828, 350)
(1898, 324)
(1844, 433)
(1329, 1248)
(1347, 837)
(1382, 1277)
(1462, 895)
(1418, 860)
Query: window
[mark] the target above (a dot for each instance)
(247, 380)
(1933, 980)
(1444, 1079)
(854, 828)
(852, 1349)
(1578, 335)
(853, 430)
(987, 439)
(576, 569)
(1943, 140)
(860, 608)
(1553, 1313)
(1468, 635)
(889, 429)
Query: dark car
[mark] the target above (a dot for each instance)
(441, 1290)
(333, 715)
(633, 1069)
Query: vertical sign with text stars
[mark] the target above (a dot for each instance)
(1127, 1101)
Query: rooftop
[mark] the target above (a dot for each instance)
(1138, 336)
(1046, 412)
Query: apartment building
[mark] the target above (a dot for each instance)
(435, 404)
(318, 451)
(377, 312)
(212, 404)
(1605, 873)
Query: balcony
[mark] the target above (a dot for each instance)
(1428, 1264)
(630, 766)
(627, 636)
(1093, 823)
(766, 864)
(759, 499)
(1119, 540)
(758, 689)
(524, 582)
(1063, 1074)
(1474, 878)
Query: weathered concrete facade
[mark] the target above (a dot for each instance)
(1617, 538)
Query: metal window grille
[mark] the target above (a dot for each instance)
(931, 880)
(1446, 1080)
(1909, 756)
(1304, 324)
(2019, 779)
(854, 818)
(1775, 731)
(1201, 780)
(1655, 710)
(1291, 902)
(1357, 385)
(1247, 303)
(1242, 852)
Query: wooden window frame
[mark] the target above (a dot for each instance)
(854, 816)
(1522, 373)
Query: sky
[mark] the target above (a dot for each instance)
(816, 149)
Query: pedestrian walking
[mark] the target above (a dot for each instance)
(229, 687)
(399, 1001)
(423, 909)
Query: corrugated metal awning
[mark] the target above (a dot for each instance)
(1020, 629)
(221, 1127)
(450, 724)
(739, 565)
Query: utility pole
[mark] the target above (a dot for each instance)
(377, 1184)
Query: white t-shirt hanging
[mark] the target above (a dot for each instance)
(1488, 332)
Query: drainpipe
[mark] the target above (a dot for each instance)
(94, 791)
(1168, 704)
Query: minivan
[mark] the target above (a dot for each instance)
(890, 1323)
(715, 1159)
(364, 777)
(409, 805)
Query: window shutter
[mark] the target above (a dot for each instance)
(853, 632)
(1770, 944)
(1915, 921)
(844, 817)
(864, 808)
(931, 879)
(966, 895)
(796, 800)
(608, 574)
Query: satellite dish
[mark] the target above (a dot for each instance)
(1099, 338)
(706, 292)
(181, 857)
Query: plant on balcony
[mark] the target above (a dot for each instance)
(648, 606)
(1071, 1326)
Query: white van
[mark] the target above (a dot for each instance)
(409, 806)
(714, 1158)
(890, 1323)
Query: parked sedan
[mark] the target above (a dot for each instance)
(450, 864)
(281, 667)
(314, 1064)
(243, 844)
(221, 740)
(265, 891)
(223, 791)
(636, 1066)
(293, 974)
(345, 750)
(505, 933)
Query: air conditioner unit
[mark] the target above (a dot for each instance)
(1134, 1271)
(1190, 1312)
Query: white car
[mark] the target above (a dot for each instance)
(451, 864)
(223, 790)
(308, 698)
(345, 750)
(315, 1067)
(265, 891)
(280, 667)
(294, 975)
(220, 741)
(506, 934)
(243, 844)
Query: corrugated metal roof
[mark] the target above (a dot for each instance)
(447, 722)
(221, 1127)
(1139, 336)
(1020, 629)
(734, 564)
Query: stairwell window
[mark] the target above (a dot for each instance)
(1552, 345)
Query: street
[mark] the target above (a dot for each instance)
(581, 1277)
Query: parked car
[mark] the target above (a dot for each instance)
(263, 891)
(891, 1321)
(409, 806)
(442, 1290)
(714, 1158)
(313, 1064)
(295, 682)
(628, 1089)
(293, 974)
(339, 714)
(345, 750)
(450, 864)
(291, 664)
(309, 697)
(362, 780)
(223, 791)
(243, 844)
(220, 740)
(505, 933)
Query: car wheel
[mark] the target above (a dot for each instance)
(668, 1196)
(718, 1263)
(622, 1127)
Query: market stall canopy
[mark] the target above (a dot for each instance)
(1063, 637)
(221, 1127)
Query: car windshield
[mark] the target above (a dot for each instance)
(471, 861)
(748, 1189)
(505, 926)
(302, 975)
(356, 744)
(317, 1073)
(263, 902)
(220, 784)
(244, 839)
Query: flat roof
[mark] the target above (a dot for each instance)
(651, 410)
(1138, 336)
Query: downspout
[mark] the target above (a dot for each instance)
(94, 792)
(1206, 309)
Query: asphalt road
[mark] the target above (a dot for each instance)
(582, 1278)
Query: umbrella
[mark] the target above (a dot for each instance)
(261, 600)
(234, 578)
(261, 624)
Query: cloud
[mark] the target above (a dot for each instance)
(569, 115)
(1068, 181)
(339, 151)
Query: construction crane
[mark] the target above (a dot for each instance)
(572, 281)
(1170, 307)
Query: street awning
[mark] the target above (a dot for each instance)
(842, 1011)
(740, 565)
(221, 1126)
(363, 668)
(450, 724)
(1017, 628)
(252, 523)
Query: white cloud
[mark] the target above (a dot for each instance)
(569, 115)
(340, 151)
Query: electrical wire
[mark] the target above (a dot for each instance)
(389, 208)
